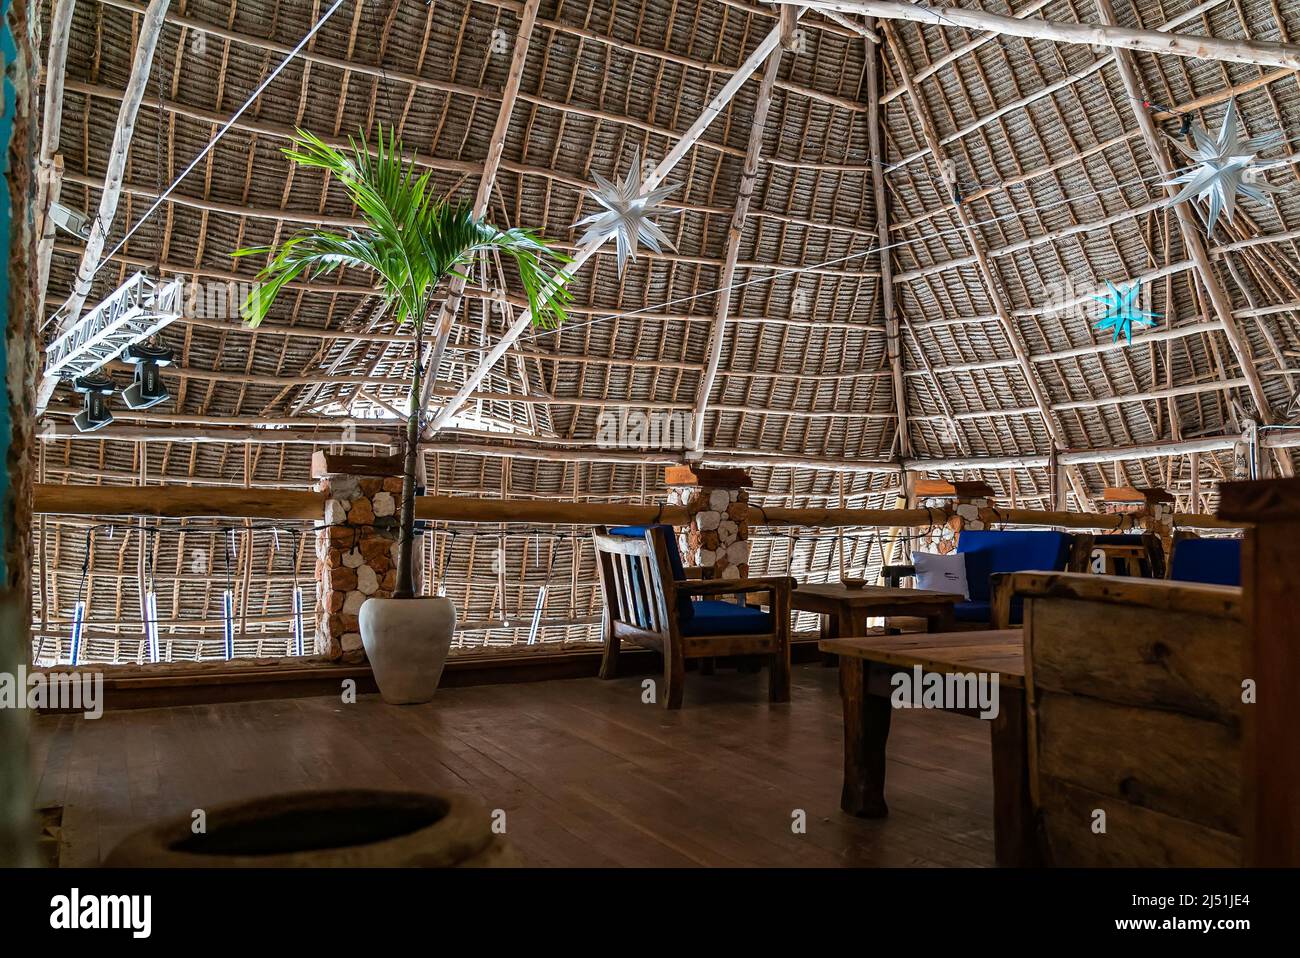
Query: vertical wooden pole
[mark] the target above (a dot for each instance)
(893, 341)
(1271, 661)
(1194, 462)
(18, 349)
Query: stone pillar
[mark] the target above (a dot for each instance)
(1151, 510)
(356, 547)
(717, 535)
(961, 501)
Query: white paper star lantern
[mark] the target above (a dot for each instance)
(1223, 166)
(626, 214)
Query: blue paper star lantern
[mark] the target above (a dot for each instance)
(1122, 312)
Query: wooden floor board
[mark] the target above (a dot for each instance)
(585, 772)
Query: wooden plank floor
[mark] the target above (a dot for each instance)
(586, 773)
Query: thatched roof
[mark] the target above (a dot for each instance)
(1047, 155)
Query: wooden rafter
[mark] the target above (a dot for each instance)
(711, 112)
(487, 181)
(1150, 41)
(718, 331)
(1192, 238)
(992, 286)
(150, 29)
(49, 165)
(889, 309)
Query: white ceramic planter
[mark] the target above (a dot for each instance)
(407, 641)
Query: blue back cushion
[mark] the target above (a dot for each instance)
(685, 609)
(988, 551)
(1208, 561)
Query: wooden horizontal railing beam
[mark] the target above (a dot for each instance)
(174, 503)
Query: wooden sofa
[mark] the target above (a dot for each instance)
(994, 554)
(1134, 697)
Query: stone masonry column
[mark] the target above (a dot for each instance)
(717, 536)
(356, 546)
(1152, 510)
(962, 501)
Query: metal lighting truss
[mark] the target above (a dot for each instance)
(138, 309)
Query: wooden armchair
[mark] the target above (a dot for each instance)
(649, 601)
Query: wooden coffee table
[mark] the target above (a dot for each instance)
(846, 608)
(865, 668)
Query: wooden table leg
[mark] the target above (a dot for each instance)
(941, 621)
(866, 730)
(1014, 836)
(830, 629)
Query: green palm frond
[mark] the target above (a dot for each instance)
(412, 239)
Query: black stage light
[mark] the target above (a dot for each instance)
(95, 413)
(148, 388)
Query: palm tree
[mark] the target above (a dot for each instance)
(413, 241)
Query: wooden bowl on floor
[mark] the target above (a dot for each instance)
(349, 828)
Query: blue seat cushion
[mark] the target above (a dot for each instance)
(684, 605)
(983, 611)
(972, 611)
(1208, 561)
(990, 551)
(715, 617)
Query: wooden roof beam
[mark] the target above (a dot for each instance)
(991, 283)
(572, 452)
(444, 164)
(49, 166)
(718, 329)
(1062, 84)
(1259, 52)
(487, 180)
(1189, 106)
(957, 53)
(711, 112)
(874, 55)
(150, 29)
(1192, 238)
(1041, 239)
